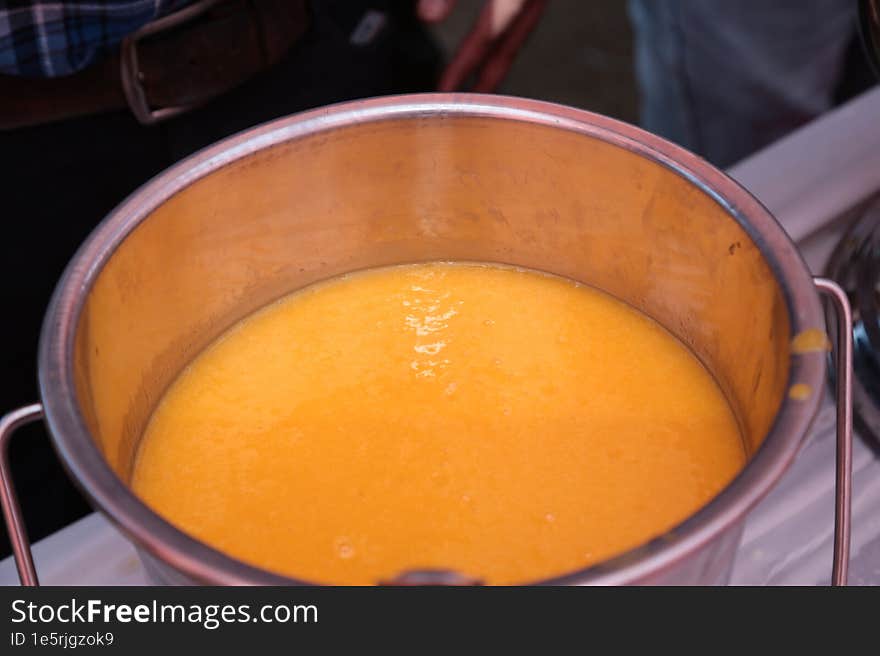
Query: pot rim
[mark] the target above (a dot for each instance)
(85, 464)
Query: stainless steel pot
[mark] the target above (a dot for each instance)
(417, 178)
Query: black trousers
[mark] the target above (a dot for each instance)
(59, 180)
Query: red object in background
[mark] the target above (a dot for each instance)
(489, 49)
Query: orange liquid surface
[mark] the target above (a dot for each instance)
(503, 423)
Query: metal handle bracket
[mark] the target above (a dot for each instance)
(843, 356)
(21, 547)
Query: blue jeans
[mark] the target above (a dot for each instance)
(725, 78)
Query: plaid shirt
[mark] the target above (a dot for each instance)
(42, 38)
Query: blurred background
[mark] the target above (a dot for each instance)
(580, 54)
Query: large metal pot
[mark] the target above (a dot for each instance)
(416, 178)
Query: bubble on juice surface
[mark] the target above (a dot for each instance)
(344, 548)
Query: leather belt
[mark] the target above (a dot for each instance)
(167, 67)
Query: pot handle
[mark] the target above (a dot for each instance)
(843, 360)
(21, 547)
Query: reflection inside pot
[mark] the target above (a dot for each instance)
(500, 422)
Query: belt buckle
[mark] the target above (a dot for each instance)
(130, 73)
